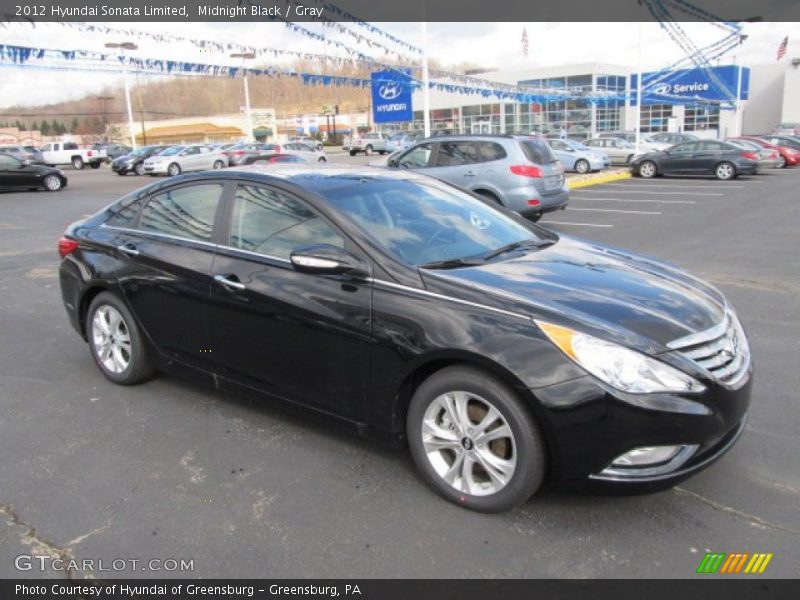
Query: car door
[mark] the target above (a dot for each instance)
(563, 153)
(167, 251)
(455, 162)
(12, 175)
(295, 335)
(679, 160)
(190, 159)
(706, 156)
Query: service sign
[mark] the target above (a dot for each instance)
(391, 97)
(717, 83)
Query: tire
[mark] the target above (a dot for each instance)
(123, 363)
(52, 183)
(582, 166)
(647, 169)
(174, 169)
(352, 152)
(77, 163)
(382, 152)
(218, 164)
(725, 171)
(781, 162)
(519, 458)
(122, 173)
(322, 159)
(535, 218)
(489, 196)
(139, 168)
(95, 165)
(368, 150)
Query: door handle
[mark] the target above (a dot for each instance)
(228, 283)
(128, 248)
(469, 174)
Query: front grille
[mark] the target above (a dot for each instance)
(722, 351)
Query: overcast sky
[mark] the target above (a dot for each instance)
(491, 45)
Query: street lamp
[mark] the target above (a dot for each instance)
(737, 126)
(246, 56)
(126, 46)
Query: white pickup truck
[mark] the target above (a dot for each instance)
(68, 153)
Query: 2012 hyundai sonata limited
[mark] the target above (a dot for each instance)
(504, 354)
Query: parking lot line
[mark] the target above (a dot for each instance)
(577, 224)
(683, 184)
(646, 200)
(652, 193)
(617, 210)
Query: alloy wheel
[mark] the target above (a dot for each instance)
(469, 443)
(647, 169)
(111, 339)
(52, 183)
(725, 171)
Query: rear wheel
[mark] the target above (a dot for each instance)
(322, 159)
(77, 163)
(52, 183)
(352, 152)
(781, 162)
(648, 169)
(218, 164)
(582, 166)
(368, 150)
(95, 165)
(473, 440)
(116, 343)
(489, 196)
(725, 171)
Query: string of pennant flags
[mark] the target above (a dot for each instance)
(330, 7)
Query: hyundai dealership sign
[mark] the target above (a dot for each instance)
(685, 85)
(391, 97)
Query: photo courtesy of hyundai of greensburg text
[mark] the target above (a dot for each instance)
(439, 299)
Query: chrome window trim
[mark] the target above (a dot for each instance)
(251, 253)
(161, 235)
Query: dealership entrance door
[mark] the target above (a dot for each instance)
(481, 127)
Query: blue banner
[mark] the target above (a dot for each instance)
(391, 96)
(684, 85)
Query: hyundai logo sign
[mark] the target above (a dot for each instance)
(662, 89)
(389, 91)
(715, 83)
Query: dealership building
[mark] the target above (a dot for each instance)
(689, 100)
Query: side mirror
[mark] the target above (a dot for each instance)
(326, 259)
(27, 162)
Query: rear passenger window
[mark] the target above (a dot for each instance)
(488, 151)
(713, 146)
(186, 212)
(125, 214)
(416, 158)
(269, 222)
(456, 153)
(537, 152)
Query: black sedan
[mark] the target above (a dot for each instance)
(699, 158)
(502, 353)
(16, 174)
(133, 162)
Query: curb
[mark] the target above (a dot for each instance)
(598, 180)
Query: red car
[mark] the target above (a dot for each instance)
(787, 156)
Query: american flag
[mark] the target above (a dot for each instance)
(524, 43)
(782, 47)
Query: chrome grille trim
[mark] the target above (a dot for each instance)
(722, 351)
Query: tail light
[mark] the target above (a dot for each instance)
(533, 203)
(749, 155)
(526, 171)
(66, 246)
(89, 153)
(238, 153)
(277, 149)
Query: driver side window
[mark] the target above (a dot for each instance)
(417, 158)
(8, 162)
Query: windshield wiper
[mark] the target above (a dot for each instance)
(452, 263)
(516, 246)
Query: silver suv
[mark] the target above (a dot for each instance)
(518, 172)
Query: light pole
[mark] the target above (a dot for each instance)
(104, 107)
(246, 56)
(426, 90)
(126, 46)
(737, 125)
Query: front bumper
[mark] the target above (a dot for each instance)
(157, 168)
(122, 167)
(587, 428)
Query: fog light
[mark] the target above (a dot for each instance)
(649, 455)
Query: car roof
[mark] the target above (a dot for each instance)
(318, 178)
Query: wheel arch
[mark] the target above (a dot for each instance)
(89, 294)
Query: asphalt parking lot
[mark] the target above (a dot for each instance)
(171, 470)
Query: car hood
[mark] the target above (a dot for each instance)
(634, 300)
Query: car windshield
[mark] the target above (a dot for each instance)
(142, 151)
(172, 151)
(426, 222)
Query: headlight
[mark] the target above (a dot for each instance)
(621, 368)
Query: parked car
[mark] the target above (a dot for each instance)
(273, 158)
(646, 141)
(17, 174)
(518, 172)
(503, 354)
(767, 159)
(577, 157)
(787, 129)
(701, 158)
(618, 150)
(306, 151)
(28, 153)
(787, 141)
(673, 138)
(113, 151)
(304, 139)
(69, 153)
(366, 143)
(787, 155)
(401, 141)
(133, 162)
(239, 153)
(178, 159)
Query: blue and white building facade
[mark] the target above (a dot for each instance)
(692, 100)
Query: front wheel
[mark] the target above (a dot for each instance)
(218, 164)
(352, 152)
(474, 441)
(582, 166)
(139, 169)
(95, 165)
(174, 169)
(368, 150)
(781, 162)
(648, 169)
(77, 163)
(116, 343)
(322, 159)
(725, 171)
(52, 183)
